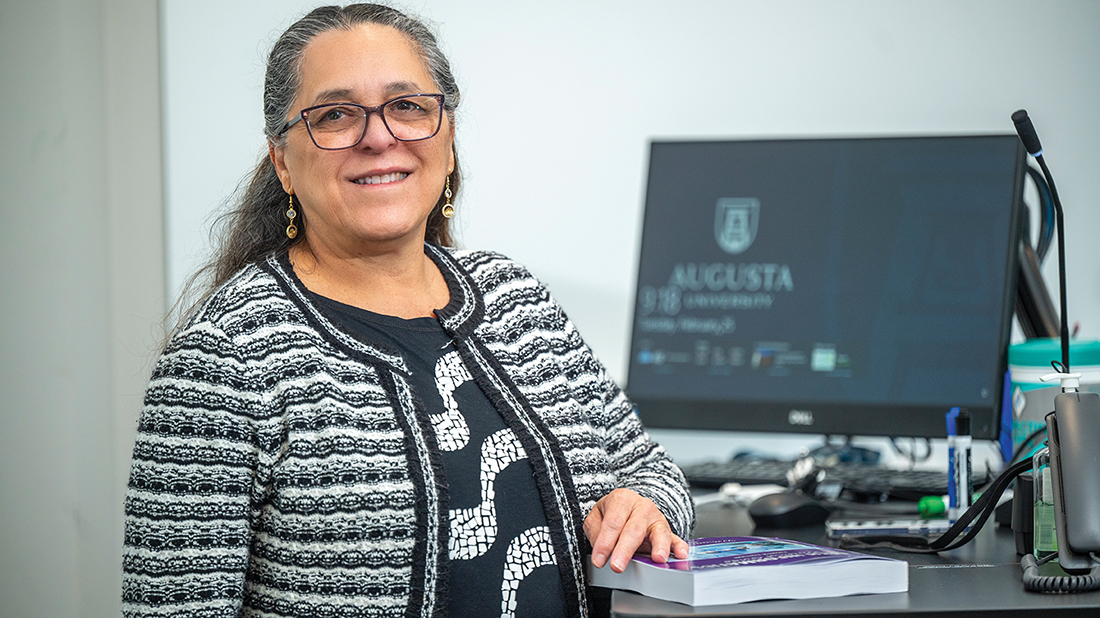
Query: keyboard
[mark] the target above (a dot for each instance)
(859, 480)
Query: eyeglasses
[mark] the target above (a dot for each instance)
(336, 126)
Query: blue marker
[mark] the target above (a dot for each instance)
(1006, 419)
(952, 490)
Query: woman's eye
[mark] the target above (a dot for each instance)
(405, 106)
(336, 113)
(332, 116)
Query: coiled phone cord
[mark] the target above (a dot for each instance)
(1034, 582)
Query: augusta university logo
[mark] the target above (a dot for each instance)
(735, 221)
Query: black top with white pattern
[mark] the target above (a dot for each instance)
(499, 546)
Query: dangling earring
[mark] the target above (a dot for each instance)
(291, 230)
(448, 211)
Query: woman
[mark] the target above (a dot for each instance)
(357, 421)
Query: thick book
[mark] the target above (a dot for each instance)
(727, 570)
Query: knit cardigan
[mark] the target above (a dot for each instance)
(284, 468)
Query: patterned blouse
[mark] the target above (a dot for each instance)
(287, 467)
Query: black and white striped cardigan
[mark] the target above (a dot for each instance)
(283, 468)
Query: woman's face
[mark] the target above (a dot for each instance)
(379, 193)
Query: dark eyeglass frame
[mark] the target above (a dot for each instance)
(367, 111)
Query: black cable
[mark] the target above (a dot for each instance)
(977, 514)
(1045, 559)
(1046, 213)
(911, 454)
(1020, 450)
(981, 510)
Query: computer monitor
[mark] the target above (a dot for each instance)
(831, 286)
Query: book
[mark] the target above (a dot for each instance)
(727, 570)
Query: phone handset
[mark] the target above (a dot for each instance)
(1073, 433)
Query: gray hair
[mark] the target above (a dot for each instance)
(255, 227)
(283, 76)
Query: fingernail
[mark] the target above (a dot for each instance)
(599, 560)
(618, 566)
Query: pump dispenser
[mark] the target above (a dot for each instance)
(1071, 382)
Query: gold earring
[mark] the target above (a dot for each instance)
(448, 210)
(291, 230)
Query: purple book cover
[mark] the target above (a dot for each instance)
(718, 552)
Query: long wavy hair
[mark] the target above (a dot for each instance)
(255, 226)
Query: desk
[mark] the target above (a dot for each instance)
(981, 578)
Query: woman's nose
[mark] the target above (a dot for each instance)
(377, 135)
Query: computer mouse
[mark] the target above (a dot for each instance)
(787, 509)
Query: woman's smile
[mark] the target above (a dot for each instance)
(382, 179)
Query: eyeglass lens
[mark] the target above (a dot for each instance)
(342, 125)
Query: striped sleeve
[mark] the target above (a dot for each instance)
(639, 463)
(531, 334)
(189, 501)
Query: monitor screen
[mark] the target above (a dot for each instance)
(829, 286)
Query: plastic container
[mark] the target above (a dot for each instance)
(1032, 400)
(1045, 538)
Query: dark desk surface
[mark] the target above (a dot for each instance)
(981, 578)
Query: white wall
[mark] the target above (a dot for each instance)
(562, 98)
(83, 287)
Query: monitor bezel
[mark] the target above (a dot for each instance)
(832, 418)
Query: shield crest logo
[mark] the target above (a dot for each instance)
(735, 222)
